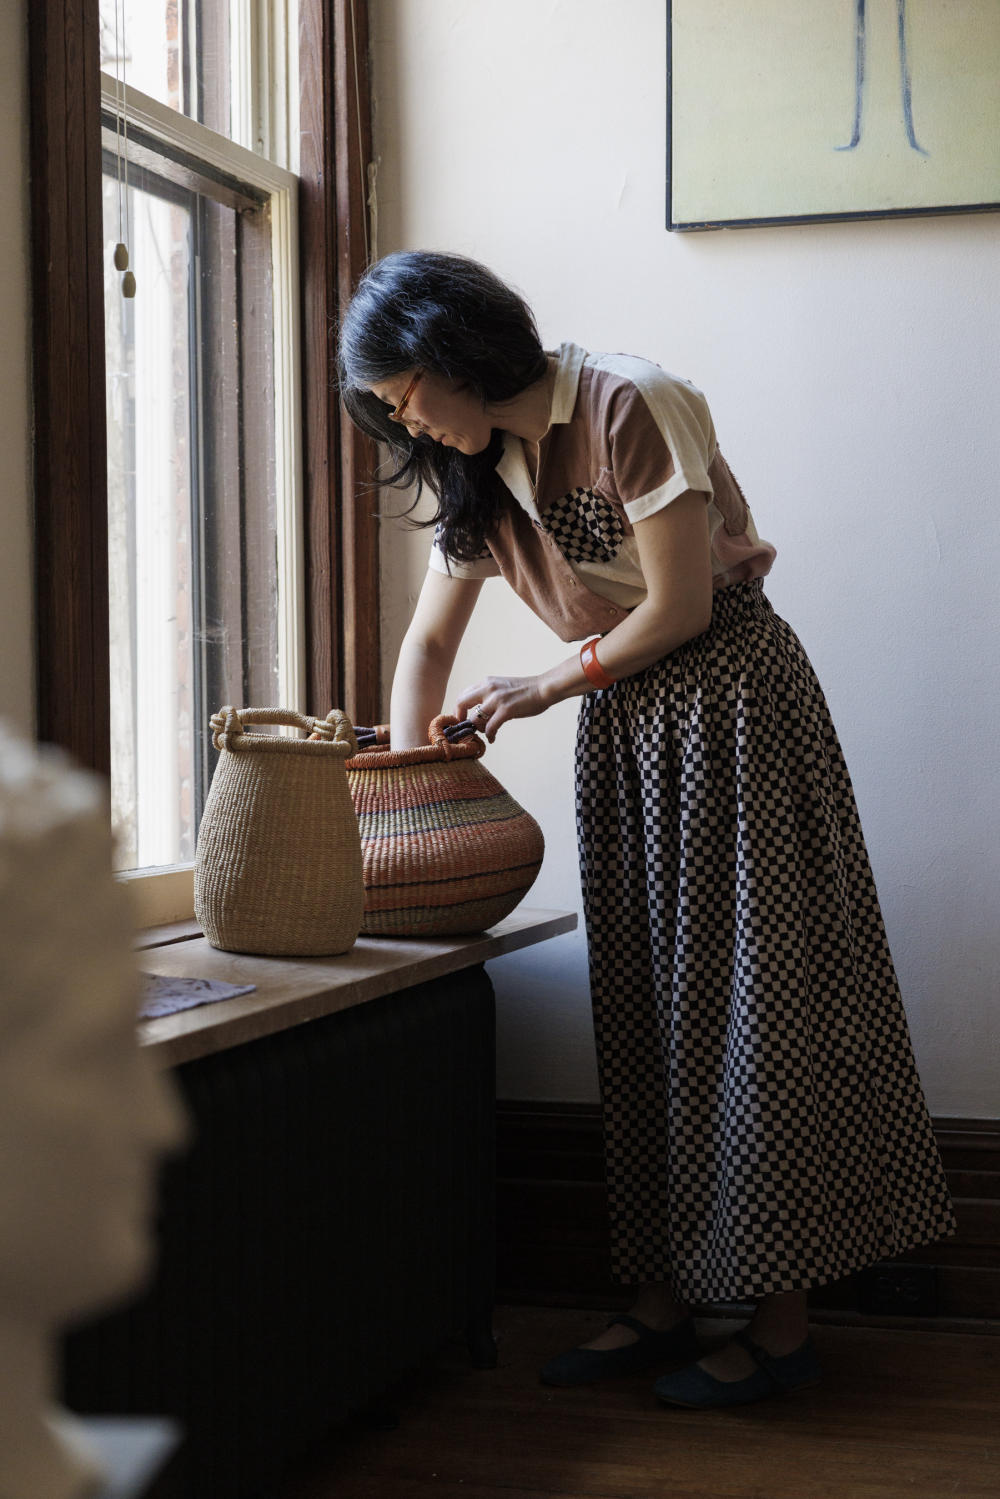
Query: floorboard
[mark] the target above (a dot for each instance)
(899, 1415)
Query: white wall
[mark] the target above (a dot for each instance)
(16, 663)
(852, 372)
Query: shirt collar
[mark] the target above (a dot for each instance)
(512, 468)
(570, 359)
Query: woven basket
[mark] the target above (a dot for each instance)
(278, 864)
(446, 849)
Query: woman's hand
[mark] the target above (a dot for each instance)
(501, 698)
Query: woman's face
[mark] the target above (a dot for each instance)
(447, 411)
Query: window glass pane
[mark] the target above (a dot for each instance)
(193, 585)
(177, 51)
(149, 516)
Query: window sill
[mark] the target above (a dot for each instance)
(166, 934)
(292, 991)
(160, 896)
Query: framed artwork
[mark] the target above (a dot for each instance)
(791, 111)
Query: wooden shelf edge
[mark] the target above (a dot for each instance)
(293, 991)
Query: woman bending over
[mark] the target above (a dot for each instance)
(765, 1128)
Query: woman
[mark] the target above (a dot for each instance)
(765, 1129)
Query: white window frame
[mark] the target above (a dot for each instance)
(167, 894)
(264, 78)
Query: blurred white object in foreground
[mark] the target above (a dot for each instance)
(83, 1116)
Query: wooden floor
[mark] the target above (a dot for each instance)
(911, 1414)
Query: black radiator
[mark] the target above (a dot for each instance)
(331, 1229)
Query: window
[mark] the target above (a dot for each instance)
(204, 516)
(196, 520)
(180, 53)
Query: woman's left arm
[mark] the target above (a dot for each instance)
(675, 555)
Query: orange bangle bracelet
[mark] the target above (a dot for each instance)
(592, 668)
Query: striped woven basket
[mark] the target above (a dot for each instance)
(445, 848)
(278, 864)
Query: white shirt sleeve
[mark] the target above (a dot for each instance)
(662, 437)
(682, 416)
(481, 567)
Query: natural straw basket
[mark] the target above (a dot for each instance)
(278, 864)
(446, 848)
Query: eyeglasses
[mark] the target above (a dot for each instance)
(397, 415)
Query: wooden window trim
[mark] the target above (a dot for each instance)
(70, 454)
(70, 451)
(341, 529)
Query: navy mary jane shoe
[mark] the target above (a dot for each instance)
(587, 1365)
(696, 1389)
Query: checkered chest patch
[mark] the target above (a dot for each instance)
(585, 527)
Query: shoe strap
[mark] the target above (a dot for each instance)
(641, 1328)
(633, 1322)
(767, 1361)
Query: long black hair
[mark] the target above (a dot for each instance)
(420, 309)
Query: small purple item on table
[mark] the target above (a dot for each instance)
(165, 996)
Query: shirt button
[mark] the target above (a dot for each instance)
(573, 582)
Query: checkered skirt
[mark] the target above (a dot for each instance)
(765, 1127)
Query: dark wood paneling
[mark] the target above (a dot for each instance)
(341, 525)
(70, 453)
(553, 1230)
(320, 407)
(358, 535)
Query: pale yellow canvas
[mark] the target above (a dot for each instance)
(798, 108)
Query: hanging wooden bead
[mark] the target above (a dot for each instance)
(121, 257)
(128, 284)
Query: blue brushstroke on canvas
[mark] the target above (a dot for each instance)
(906, 88)
(859, 76)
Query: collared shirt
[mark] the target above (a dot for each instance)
(624, 439)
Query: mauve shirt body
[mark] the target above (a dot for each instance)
(625, 439)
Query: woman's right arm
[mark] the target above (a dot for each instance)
(427, 655)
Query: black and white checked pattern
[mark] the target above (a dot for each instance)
(585, 526)
(765, 1127)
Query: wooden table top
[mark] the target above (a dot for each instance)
(291, 991)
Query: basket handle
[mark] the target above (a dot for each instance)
(446, 731)
(229, 722)
(367, 737)
(453, 731)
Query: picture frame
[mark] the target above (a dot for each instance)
(784, 112)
